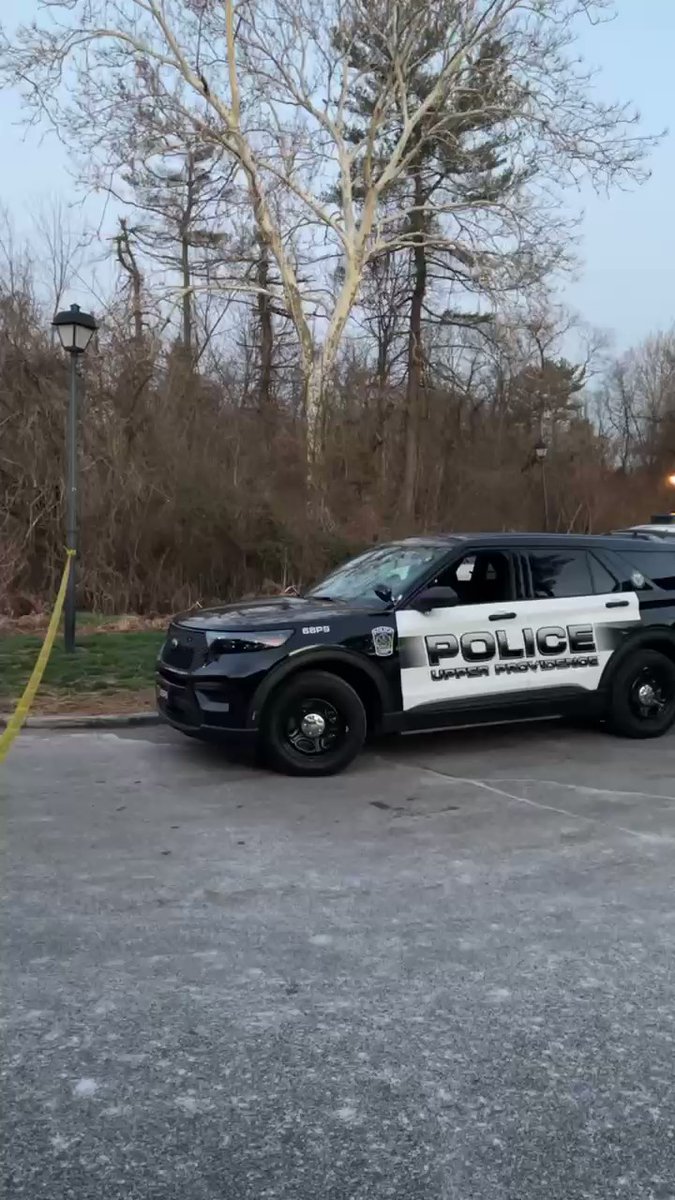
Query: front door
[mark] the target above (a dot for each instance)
(514, 633)
(450, 656)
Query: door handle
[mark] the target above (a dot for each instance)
(617, 604)
(502, 617)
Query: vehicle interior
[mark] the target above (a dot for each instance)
(482, 577)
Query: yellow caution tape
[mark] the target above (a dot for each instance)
(23, 707)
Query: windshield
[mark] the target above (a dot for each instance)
(394, 567)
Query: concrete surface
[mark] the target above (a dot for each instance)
(85, 720)
(445, 975)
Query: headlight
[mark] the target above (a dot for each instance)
(245, 643)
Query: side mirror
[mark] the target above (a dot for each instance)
(435, 597)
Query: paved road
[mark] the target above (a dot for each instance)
(446, 975)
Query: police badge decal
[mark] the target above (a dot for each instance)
(383, 640)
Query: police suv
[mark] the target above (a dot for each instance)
(659, 527)
(433, 632)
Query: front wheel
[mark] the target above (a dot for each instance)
(642, 703)
(314, 724)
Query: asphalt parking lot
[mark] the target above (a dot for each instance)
(448, 973)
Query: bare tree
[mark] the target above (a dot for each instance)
(269, 85)
(125, 252)
(60, 249)
(637, 404)
(179, 195)
(176, 190)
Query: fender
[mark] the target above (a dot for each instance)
(653, 637)
(316, 656)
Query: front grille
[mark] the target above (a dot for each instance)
(184, 649)
(178, 702)
(184, 707)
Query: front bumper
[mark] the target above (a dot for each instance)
(210, 708)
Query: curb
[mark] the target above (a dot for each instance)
(82, 721)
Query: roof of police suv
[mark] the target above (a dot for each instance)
(606, 540)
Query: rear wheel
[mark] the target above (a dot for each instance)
(642, 703)
(314, 724)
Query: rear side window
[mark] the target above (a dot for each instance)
(659, 566)
(557, 573)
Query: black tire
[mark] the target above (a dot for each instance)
(308, 695)
(642, 699)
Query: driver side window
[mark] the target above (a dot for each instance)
(481, 577)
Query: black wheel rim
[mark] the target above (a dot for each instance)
(313, 726)
(651, 694)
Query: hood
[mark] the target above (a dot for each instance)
(270, 612)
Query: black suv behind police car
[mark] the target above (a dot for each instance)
(433, 632)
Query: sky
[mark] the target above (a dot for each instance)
(627, 281)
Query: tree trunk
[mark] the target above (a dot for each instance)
(137, 305)
(187, 295)
(314, 381)
(127, 260)
(185, 229)
(264, 305)
(413, 423)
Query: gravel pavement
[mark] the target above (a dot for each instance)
(445, 975)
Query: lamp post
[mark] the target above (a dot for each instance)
(540, 453)
(75, 329)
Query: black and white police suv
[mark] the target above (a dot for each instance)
(429, 633)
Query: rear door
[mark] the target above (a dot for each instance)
(578, 612)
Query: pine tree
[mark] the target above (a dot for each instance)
(459, 160)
